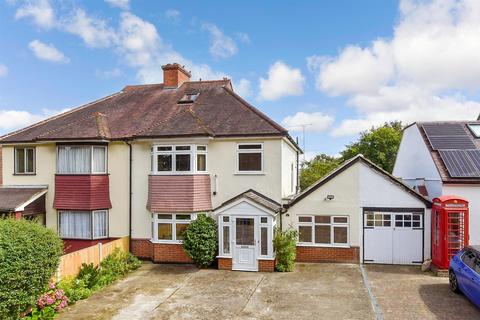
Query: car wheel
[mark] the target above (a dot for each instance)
(453, 281)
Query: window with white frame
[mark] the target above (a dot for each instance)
(250, 157)
(25, 160)
(178, 159)
(264, 231)
(323, 230)
(170, 227)
(83, 224)
(224, 226)
(81, 159)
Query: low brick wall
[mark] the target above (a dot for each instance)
(159, 252)
(328, 254)
(266, 265)
(225, 263)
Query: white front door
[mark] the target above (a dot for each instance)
(244, 244)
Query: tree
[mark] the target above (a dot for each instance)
(201, 240)
(380, 145)
(316, 168)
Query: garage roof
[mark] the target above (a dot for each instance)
(347, 164)
(17, 198)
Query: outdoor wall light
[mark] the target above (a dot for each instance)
(330, 197)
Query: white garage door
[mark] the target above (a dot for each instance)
(393, 237)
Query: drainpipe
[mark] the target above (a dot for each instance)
(129, 196)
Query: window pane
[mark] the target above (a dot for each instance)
(250, 146)
(180, 229)
(164, 231)
(164, 216)
(226, 239)
(99, 160)
(304, 219)
(249, 161)
(182, 217)
(182, 162)
(245, 232)
(226, 219)
(74, 160)
(182, 148)
(322, 219)
(75, 224)
(164, 162)
(305, 234)
(202, 148)
(100, 224)
(322, 234)
(201, 162)
(340, 234)
(340, 219)
(164, 148)
(20, 158)
(30, 161)
(263, 220)
(264, 241)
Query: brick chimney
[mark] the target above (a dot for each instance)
(174, 75)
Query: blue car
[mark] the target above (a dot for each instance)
(464, 273)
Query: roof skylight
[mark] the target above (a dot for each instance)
(189, 97)
(475, 129)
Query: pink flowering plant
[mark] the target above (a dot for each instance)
(54, 298)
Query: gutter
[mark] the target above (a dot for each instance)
(129, 196)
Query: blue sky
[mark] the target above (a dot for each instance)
(338, 67)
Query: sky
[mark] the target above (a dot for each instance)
(334, 67)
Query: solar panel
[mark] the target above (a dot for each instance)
(462, 163)
(448, 136)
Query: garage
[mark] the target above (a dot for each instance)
(360, 213)
(393, 236)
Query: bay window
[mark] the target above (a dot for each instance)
(250, 157)
(170, 227)
(82, 159)
(323, 230)
(25, 160)
(178, 159)
(83, 224)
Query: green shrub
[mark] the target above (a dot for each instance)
(29, 257)
(200, 240)
(117, 265)
(46, 313)
(89, 274)
(75, 289)
(285, 247)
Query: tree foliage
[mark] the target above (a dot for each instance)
(29, 257)
(316, 168)
(201, 240)
(285, 243)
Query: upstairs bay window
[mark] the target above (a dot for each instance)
(178, 159)
(250, 157)
(82, 159)
(25, 160)
(83, 224)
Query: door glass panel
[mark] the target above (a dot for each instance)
(245, 232)
(264, 241)
(322, 234)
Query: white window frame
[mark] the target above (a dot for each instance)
(269, 226)
(332, 224)
(239, 151)
(92, 225)
(222, 224)
(91, 158)
(173, 221)
(25, 160)
(173, 152)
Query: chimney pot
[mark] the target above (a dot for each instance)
(174, 75)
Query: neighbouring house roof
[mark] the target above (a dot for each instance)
(153, 111)
(347, 164)
(444, 141)
(256, 197)
(17, 198)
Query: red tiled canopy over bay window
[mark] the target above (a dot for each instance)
(82, 192)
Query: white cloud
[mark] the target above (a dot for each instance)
(94, 32)
(108, 74)
(428, 70)
(15, 119)
(313, 122)
(3, 70)
(282, 81)
(173, 15)
(243, 88)
(47, 52)
(243, 37)
(122, 4)
(221, 45)
(41, 11)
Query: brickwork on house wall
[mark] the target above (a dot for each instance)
(325, 254)
(266, 265)
(225, 263)
(142, 248)
(170, 253)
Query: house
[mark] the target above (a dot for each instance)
(145, 161)
(443, 158)
(360, 213)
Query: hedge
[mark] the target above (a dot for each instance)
(29, 256)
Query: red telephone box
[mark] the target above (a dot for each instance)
(449, 228)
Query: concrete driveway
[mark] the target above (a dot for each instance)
(313, 291)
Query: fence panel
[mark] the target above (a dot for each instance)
(71, 263)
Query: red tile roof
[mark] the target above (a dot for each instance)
(151, 111)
